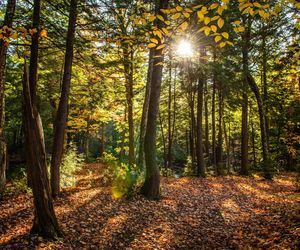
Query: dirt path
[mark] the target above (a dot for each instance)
(212, 213)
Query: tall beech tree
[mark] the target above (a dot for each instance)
(8, 19)
(151, 186)
(45, 222)
(62, 112)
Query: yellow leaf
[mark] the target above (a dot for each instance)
(166, 32)
(153, 40)
(222, 44)
(200, 15)
(237, 22)
(206, 30)
(213, 6)
(43, 33)
(178, 8)
(215, 18)
(176, 16)
(204, 10)
(152, 18)
(151, 45)
(183, 26)
(157, 33)
(241, 29)
(160, 18)
(256, 4)
(161, 46)
(218, 38)
(220, 10)
(186, 14)
(14, 35)
(221, 22)
(214, 28)
(198, 6)
(225, 1)
(167, 22)
(225, 35)
(206, 20)
(188, 10)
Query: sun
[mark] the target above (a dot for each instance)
(185, 49)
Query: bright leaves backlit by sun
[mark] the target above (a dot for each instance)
(185, 49)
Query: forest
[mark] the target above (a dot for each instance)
(149, 124)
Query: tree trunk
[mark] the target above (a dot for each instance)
(151, 187)
(206, 121)
(128, 71)
(62, 112)
(266, 161)
(252, 137)
(170, 139)
(253, 86)
(141, 157)
(213, 123)
(219, 148)
(9, 14)
(264, 80)
(45, 222)
(164, 142)
(245, 137)
(101, 149)
(199, 151)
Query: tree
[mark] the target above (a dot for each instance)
(151, 186)
(62, 112)
(45, 222)
(8, 19)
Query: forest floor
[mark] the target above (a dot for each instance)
(214, 213)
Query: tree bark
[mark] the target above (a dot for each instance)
(45, 222)
(128, 72)
(8, 19)
(213, 123)
(151, 187)
(245, 136)
(170, 138)
(141, 156)
(206, 121)
(200, 157)
(266, 161)
(219, 148)
(62, 112)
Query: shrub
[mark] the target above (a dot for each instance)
(123, 178)
(72, 162)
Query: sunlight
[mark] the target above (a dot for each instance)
(185, 49)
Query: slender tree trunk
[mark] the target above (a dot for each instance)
(164, 141)
(252, 137)
(62, 112)
(8, 19)
(128, 70)
(45, 222)
(151, 187)
(200, 157)
(141, 156)
(122, 151)
(264, 81)
(206, 120)
(245, 136)
(219, 148)
(213, 123)
(102, 140)
(266, 161)
(253, 86)
(87, 140)
(170, 139)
